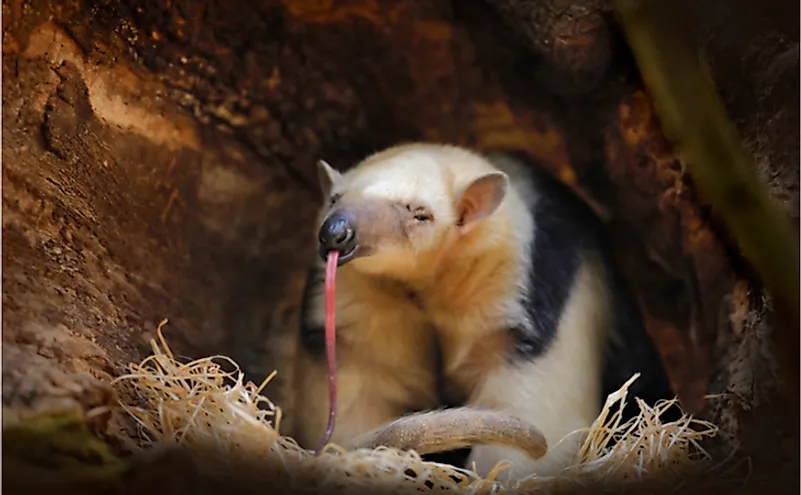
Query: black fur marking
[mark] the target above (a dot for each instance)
(312, 333)
(565, 227)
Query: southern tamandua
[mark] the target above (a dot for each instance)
(467, 280)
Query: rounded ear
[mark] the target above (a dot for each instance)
(481, 198)
(327, 177)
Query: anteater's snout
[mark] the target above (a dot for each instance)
(338, 234)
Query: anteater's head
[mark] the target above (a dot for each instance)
(402, 210)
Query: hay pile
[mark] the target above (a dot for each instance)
(198, 403)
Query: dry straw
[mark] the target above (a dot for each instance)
(199, 403)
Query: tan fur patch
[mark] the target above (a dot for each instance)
(484, 356)
(365, 400)
(385, 360)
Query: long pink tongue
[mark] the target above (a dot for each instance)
(330, 344)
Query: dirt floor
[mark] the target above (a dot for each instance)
(158, 162)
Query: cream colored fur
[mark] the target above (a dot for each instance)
(557, 392)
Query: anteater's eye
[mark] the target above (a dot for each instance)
(420, 214)
(334, 198)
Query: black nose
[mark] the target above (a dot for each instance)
(337, 234)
